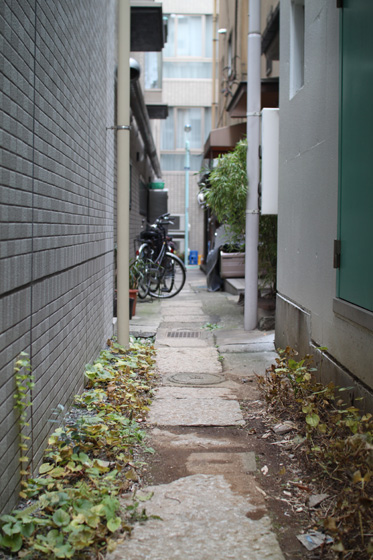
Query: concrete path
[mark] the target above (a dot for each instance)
(204, 491)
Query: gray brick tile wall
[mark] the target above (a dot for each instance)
(57, 206)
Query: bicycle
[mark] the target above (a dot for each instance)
(163, 273)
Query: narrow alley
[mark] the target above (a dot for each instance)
(203, 472)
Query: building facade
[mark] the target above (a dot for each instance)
(230, 107)
(58, 203)
(325, 276)
(187, 90)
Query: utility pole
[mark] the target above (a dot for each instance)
(187, 129)
(123, 174)
(253, 139)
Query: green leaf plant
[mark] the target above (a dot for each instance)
(225, 193)
(337, 447)
(227, 190)
(24, 381)
(89, 463)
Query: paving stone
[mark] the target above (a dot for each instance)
(168, 342)
(193, 393)
(192, 439)
(185, 310)
(213, 411)
(215, 463)
(240, 336)
(175, 360)
(218, 512)
(143, 331)
(239, 340)
(199, 318)
(171, 306)
(244, 364)
(201, 518)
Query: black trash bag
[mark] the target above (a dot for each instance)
(213, 280)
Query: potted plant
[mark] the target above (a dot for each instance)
(135, 269)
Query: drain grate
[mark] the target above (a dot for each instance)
(183, 334)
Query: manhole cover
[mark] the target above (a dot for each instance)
(183, 334)
(196, 378)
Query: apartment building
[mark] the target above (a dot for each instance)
(184, 73)
(230, 99)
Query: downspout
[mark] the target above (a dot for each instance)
(235, 40)
(253, 138)
(214, 41)
(123, 174)
(140, 113)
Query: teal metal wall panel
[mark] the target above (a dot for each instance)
(355, 282)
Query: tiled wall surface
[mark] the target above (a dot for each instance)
(57, 207)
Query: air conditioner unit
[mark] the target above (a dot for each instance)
(179, 245)
(178, 224)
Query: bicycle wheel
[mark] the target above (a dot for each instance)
(171, 277)
(144, 282)
(144, 276)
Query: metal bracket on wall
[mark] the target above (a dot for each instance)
(122, 127)
(337, 253)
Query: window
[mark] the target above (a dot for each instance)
(296, 46)
(189, 39)
(167, 131)
(189, 36)
(208, 124)
(192, 116)
(183, 70)
(176, 162)
(172, 129)
(153, 70)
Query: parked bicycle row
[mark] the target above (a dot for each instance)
(161, 273)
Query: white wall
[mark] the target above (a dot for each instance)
(308, 191)
(187, 6)
(187, 93)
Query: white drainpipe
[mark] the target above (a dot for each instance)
(123, 174)
(253, 138)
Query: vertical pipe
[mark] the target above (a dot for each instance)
(214, 41)
(123, 165)
(253, 137)
(187, 167)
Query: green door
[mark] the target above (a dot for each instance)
(355, 278)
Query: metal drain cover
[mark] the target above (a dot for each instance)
(196, 378)
(183, 334)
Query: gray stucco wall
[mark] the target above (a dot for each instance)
(57, 206)
(308, 199)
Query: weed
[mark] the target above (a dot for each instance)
(337, 444)
(88, 464)
(24, 385)
(211, 326)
